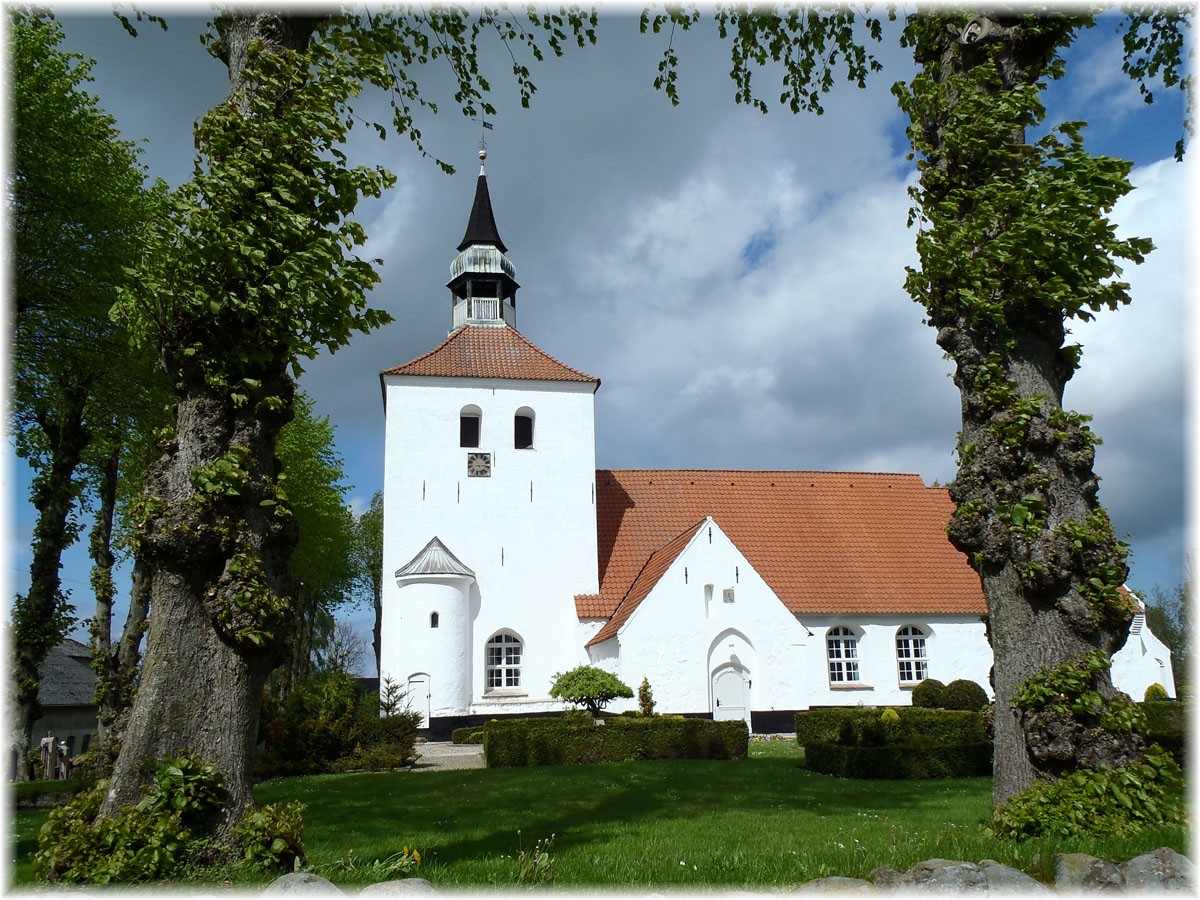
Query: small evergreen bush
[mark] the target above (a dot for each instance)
(1155, 692)
(963, 694)
(929, 694)
(645, 698)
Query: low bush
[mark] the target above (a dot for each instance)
(472, 734)
(964, 694)
(166, 835)
(828, 725)
(929, 694)
(1112, 802)
(531, 742)
(1166, 725)
(328, 724)
(48, 792)
(900, 760)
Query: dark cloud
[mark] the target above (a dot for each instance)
(736, 280)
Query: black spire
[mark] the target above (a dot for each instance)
(481, 227)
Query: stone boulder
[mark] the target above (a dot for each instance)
(1081, 872)
(401, 887)
(1160, 870)
(302, 883)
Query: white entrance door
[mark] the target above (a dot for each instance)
(730, 687)
(418, 696)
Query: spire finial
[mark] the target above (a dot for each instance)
(487, 126)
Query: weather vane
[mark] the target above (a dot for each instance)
(487, 126)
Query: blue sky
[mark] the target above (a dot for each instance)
(734, 279)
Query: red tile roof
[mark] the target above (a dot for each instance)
(825, 542)
(656, 566)
(490, 351)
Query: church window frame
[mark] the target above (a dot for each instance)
(912, 655)
(841, 652)
(470, 426)
(524, 421)
(503, 657)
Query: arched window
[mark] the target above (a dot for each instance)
(912, 661)
(470, 421)
(842, 648)
(433, 620)
(502, 662)
(523, 429)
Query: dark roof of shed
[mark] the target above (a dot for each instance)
(67, 676)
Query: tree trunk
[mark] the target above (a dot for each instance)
(377, 629)
(100, 545)
(216, 534)
(41, 617)
(1026, 513)
(216, 568)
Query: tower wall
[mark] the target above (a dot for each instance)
(528, 530)
(438, 647)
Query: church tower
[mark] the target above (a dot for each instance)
(489, 503)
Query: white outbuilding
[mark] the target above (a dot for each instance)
(509, 558)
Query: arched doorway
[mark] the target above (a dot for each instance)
(731, 693)
(418, 696)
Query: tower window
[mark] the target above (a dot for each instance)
(433, 620)
(468, 426)
(523, 429)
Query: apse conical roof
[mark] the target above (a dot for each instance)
(434, 559)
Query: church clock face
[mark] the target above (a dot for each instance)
(479, 465)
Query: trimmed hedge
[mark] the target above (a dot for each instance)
(472, 734)
(545, 742)
(900, 761)
(916, 724)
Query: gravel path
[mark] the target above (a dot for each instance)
(433, 756)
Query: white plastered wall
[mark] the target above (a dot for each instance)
(1143, 661)
(685, 629)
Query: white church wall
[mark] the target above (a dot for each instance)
(956, 647)
(683, 630)
(1143, 661)
(528, 531)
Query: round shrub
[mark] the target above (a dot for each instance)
(964, 694)
(928, 694)
(890, 717)
(1156, 692)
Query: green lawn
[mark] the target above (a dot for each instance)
(683, 823)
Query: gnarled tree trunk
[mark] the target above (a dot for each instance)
(215, 534)
(1015, 241)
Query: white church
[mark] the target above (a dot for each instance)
(508, 557)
